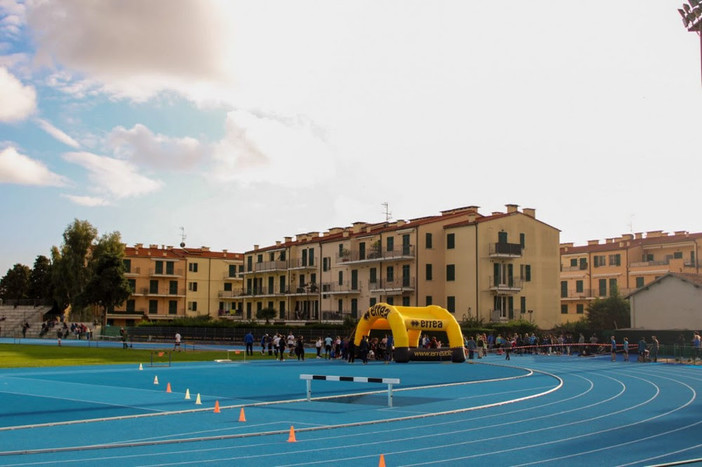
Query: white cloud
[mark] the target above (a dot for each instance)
(22, 170)
(134, 48)
(59, 135)
(259, 148)
(89, 201)
(17, 100)
(12, 18)
(118, 178)
(141, 145)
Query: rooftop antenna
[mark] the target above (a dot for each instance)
(182, 237)
(388, 214)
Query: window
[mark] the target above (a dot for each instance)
(281, 285)
(158, 267)
(153, 307)
(172, 307)
(678, 255)
(192, 306)
(522, 304)
(170, 267)
(573, 262)
(648, 257)
(639, 282)
(354, 279)
(362, 250)
(390, 244)
(603, 287)
(600, 261)
(502, 237)
(615, 260)
(249, 263)
(450, 272)
(613, 286)
(579, 286)
(232, 270)
(580, 308)
(564, 309)
(173, 287)
(390, 274)
(271, 281)
(428, 241)
(564, 289)
(527, 272)
(522, 240)
(326, 261)
(192, 267)
(127, 265)
(341, 277)
(153, 286)
(259, 258)
(373, 273)
(132, 285)
(227, 286)
(406, 279)
(451, 304)
(428, 300)
(405, 301)
(373, 301)
(271, 256)
(583, 263)
(354, 307)
(192, 286)
(450, 241)
(131, 306)
(429, 273)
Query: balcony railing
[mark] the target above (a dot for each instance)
(297, 263)
(405, 284)
(166, 273)
(343, 288)
(506, 284)
(161, 292)
(505, 250)
(336, 315)
(401, 253)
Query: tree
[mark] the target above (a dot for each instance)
(107, 287)
(267, 314)
(15, 284)
(70, 272)
(40, 286)
(609, 313)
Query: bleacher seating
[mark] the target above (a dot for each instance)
(12, 318)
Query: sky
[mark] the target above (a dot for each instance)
(230, 124)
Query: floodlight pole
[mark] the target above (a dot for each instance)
(691, 13)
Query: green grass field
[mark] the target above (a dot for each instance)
(28, 356)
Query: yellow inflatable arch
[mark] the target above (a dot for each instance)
(407, 324)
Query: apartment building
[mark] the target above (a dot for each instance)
(171, 283)
(496, 267)
(624, 263)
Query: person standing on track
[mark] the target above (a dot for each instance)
(655, 346)
(248, 342)
(625, 349)
(613, 344)
(176, 344)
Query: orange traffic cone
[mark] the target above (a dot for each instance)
(291, 438)
(381, 463)
(155, 379)
(168, 387)
(216, 409)
(242, 417)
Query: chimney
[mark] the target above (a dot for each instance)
(531, 212)
(593, 242)
(511, 208)
(288, 239)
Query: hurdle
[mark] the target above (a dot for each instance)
(355, 379)
(157, 358)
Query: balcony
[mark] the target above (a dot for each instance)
(579, 294)
(505, 250)
(506, 285)
(166, 273)
(402, 253)
(132, 272)
(267, 266)
(394, 287)
(298, 264)
(336, 315)
(230, 293)
(334, 288)
(161, 292)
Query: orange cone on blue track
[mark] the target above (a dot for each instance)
(168, 387)
(381, 462)
(242, 417)
(216, 409)
(291, 438)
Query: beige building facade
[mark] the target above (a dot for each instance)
(170, 283)
(495, 268)
(624, 264)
